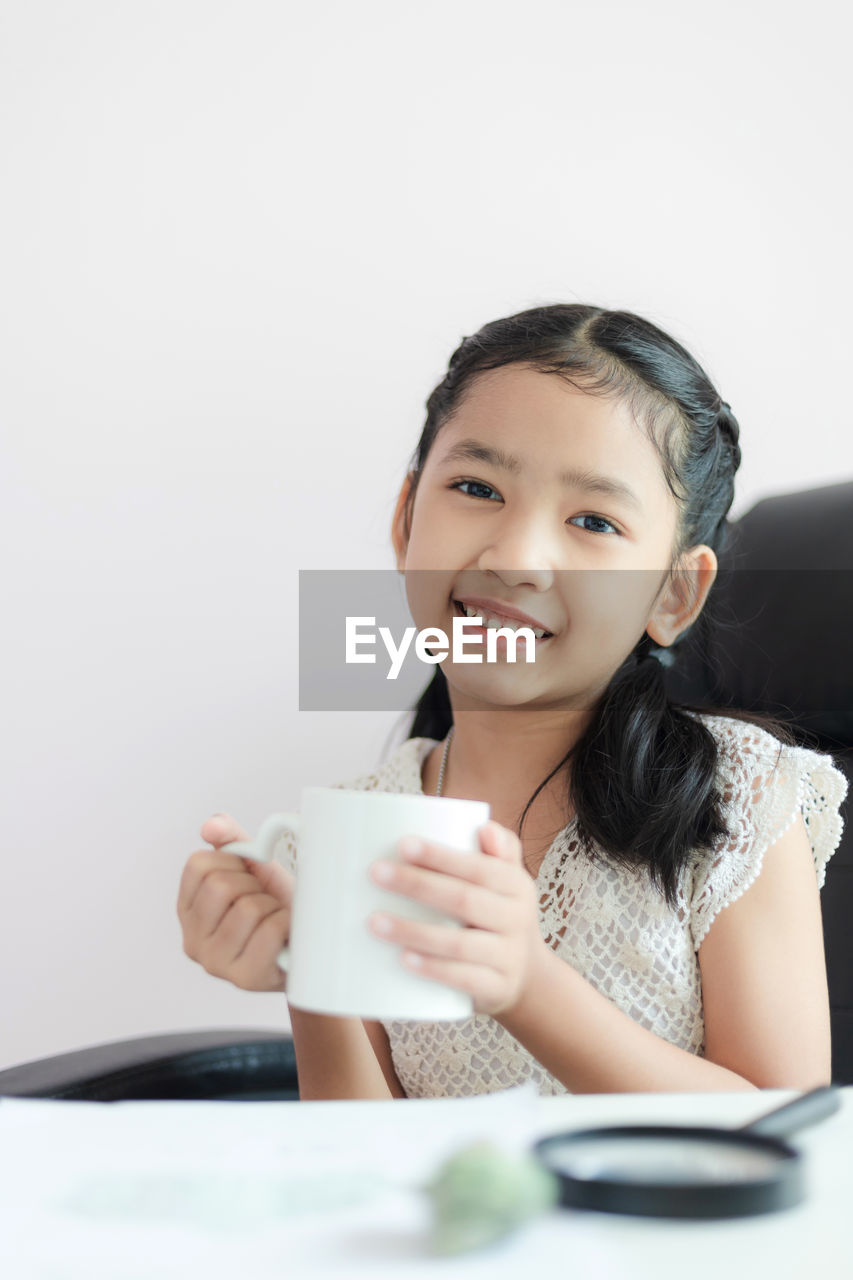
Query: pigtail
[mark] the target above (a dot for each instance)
(643, 777)
(433, 712)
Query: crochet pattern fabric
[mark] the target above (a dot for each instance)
(611, 925)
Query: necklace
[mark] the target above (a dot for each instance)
(444, 766)
(444, 761)
(444, 755)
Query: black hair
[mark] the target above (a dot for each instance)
(642, 781)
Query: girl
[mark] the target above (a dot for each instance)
(644, 911)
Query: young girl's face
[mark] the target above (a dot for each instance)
(545, 536)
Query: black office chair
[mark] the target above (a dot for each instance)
(775, 642)
(233, 1065)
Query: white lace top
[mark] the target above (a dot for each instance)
(612, 926)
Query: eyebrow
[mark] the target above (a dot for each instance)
(574, 478)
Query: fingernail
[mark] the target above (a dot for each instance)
(383, 872)
(410, 846)
(380, 923)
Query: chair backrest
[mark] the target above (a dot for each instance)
(775, 639)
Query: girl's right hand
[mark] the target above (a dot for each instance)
(234, 912)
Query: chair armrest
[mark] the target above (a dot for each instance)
(236, 1064)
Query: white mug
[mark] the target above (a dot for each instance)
(334, 963)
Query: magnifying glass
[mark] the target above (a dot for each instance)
(669, 1171)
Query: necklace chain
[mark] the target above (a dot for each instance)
(444, 761)
(444, 755)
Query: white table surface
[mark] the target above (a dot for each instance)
(154, 1190)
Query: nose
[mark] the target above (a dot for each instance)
(523, 551)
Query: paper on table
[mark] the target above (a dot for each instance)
(236, 1166)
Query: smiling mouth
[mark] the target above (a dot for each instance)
(474, 633)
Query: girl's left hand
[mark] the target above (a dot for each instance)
(489, 892)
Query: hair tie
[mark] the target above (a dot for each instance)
(661, 657)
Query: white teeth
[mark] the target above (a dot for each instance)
(492, 623)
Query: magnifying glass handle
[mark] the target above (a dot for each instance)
(809, 1108)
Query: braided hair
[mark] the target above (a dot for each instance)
(642, 781)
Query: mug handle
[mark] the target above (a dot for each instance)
(262, 848)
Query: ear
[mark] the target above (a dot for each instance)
(398, 523)
(683, 598)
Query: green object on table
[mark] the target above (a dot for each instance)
(483, 1193)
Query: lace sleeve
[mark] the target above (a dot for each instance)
(764, 785)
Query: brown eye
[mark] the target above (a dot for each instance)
(478, 484)
(599, 520)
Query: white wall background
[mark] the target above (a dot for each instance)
(239, 240)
